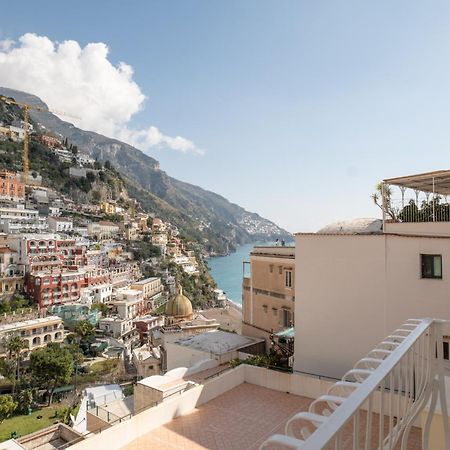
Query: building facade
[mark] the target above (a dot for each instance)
(268, 294)
(151, 289)
(60, 224)
(11, 272)
(360, 279)
(11, 187)
(36, 333)
(18, 219)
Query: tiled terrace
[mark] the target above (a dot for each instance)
(240, 419)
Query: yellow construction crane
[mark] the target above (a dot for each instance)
(26, 108)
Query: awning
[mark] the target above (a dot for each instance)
(287, 333)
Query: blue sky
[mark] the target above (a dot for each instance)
(301, 107)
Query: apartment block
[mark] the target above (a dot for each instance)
(103, 229)
(268, 294)
(11, 187)
(53, 287)
(60, 224)
(37, 333)
(151, 289)
(11, 272)
(18, 219)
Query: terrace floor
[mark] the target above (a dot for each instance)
(241, 419)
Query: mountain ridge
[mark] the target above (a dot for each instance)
(218, 224)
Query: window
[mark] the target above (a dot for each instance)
(286, 317)
(288, 275)
(446, 355)
(271, 268)
(431, 266)
(265, 308)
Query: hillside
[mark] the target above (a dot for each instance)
(209, 218)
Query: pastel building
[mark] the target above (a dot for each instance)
(103, 229)
(36, 333)
(268, 294)
(151, 289)
(12, 187)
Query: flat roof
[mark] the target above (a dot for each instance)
(437, 181)
(29, 323)
(217, 342)
(147, 280)
(274, 251)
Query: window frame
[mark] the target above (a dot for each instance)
(433, 276)
(288, 274)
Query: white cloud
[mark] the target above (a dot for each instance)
(6, 44)
(82, 81)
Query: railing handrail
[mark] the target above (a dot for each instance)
(418, 338)
(355, 400)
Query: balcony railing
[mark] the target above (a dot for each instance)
(377, 402)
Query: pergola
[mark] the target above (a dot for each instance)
(434, 184)
(437, 182)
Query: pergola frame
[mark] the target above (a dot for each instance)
(434, 183)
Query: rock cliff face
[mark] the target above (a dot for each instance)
(209, 218)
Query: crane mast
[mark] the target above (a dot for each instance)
(26, 141)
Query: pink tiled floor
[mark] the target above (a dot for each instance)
(240, 419)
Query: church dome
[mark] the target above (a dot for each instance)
(179, 305)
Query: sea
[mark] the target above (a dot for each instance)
(227, 271)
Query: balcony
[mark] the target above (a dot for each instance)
(378, 401)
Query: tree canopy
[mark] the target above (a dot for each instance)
(51, 367)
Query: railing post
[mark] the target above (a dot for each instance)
(441, 382)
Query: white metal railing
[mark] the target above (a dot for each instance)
(407, 205)
(377, 402)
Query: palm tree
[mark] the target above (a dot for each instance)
(84, 329)
(14, 346)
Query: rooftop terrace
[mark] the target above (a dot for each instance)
(242, 418)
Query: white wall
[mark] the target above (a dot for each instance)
(181, 356)
(353, 290)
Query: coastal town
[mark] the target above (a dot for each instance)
(224, 226)
(96, 285)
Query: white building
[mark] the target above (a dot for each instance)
(60, 224)
(216, 345)
(102, 293)
(21, 220)
(358, 280)
(85, 159)
(63, 154)
(130, 303)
